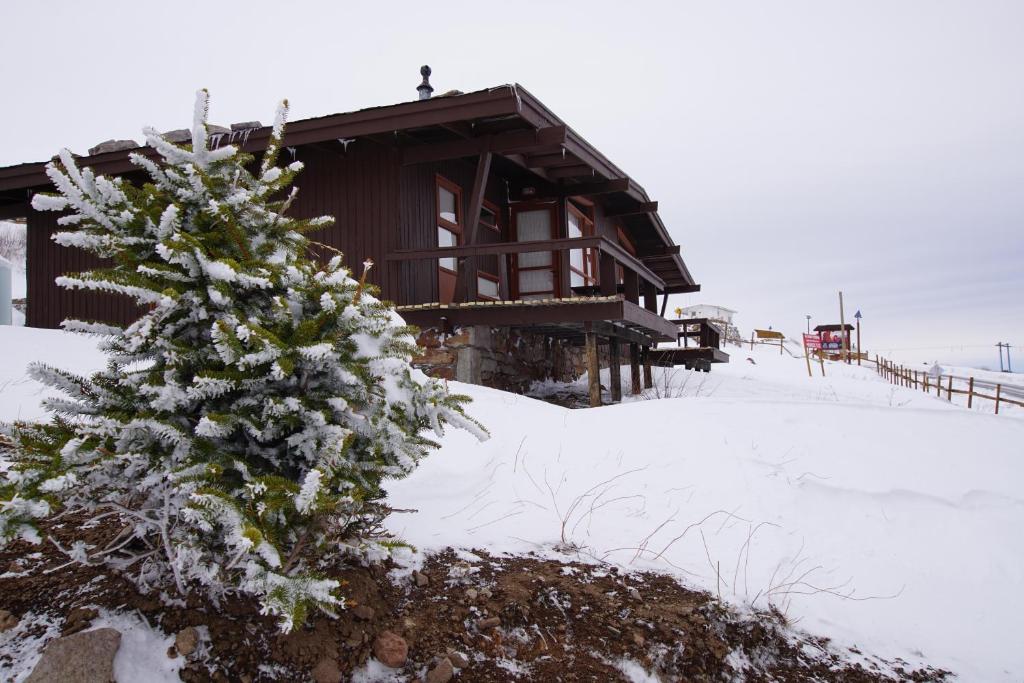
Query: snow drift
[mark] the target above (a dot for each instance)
(881, 517)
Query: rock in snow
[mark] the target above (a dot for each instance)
(186, 641)
(86, 657)
(7, 620)
(442, 673)
(390, 649)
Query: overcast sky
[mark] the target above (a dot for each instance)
(795, 147)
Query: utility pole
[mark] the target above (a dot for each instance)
(1000, 346)
(1009, 367)
(843, 336)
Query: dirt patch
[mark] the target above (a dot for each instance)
(494, 618)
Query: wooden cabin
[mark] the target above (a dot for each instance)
(516, 246)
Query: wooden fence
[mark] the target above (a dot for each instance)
(942, 385)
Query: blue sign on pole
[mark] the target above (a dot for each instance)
(857, 315)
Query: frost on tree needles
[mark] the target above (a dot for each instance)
(238, 440)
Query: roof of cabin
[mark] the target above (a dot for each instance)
(536, 149)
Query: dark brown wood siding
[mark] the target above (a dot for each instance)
(378, 205)
(48, 304)
(359, 187)
(418, 224)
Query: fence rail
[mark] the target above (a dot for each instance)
(942, 385)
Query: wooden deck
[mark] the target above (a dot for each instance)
(692, 357)
(565, 318)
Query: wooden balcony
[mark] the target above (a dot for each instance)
(705, 350)
(627, 310)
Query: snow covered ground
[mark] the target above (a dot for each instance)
(873, 514)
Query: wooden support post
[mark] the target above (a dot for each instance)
(970, 392)
(915, 379)
(504, 286)
(949, 389)
(648, 377)
(634, 368)
(465, 283)
(650, 296)
(563, 273)
(925, 386)
(593, 369)
(615, 367)
(808, 359)
(938, 386)
(631, 285)
(999, 390)
(607, 280)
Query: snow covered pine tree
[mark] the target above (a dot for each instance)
(240, 435)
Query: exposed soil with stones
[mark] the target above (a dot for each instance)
(461, 617)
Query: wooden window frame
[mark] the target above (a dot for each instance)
(455, 228)
(496, 210)
(487, 275)
(554, 267)
(589, 255)
(493, 278)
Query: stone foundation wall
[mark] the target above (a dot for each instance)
(498, 357)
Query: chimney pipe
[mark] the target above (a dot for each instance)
(425, 88)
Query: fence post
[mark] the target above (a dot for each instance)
(998, 391)
(970, 392)
(938, 386)
(949, 392)
(925, 383)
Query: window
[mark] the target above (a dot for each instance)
(449, 219)
(449, 234)
(489, 217)
(487, 286)
(535, 270)
(582, 262)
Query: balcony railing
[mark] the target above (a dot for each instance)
(637, 279)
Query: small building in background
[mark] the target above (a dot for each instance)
(832, 338)
(720, 315)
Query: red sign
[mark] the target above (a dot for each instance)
(812, 341)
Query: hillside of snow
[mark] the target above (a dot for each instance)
(881, 517)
